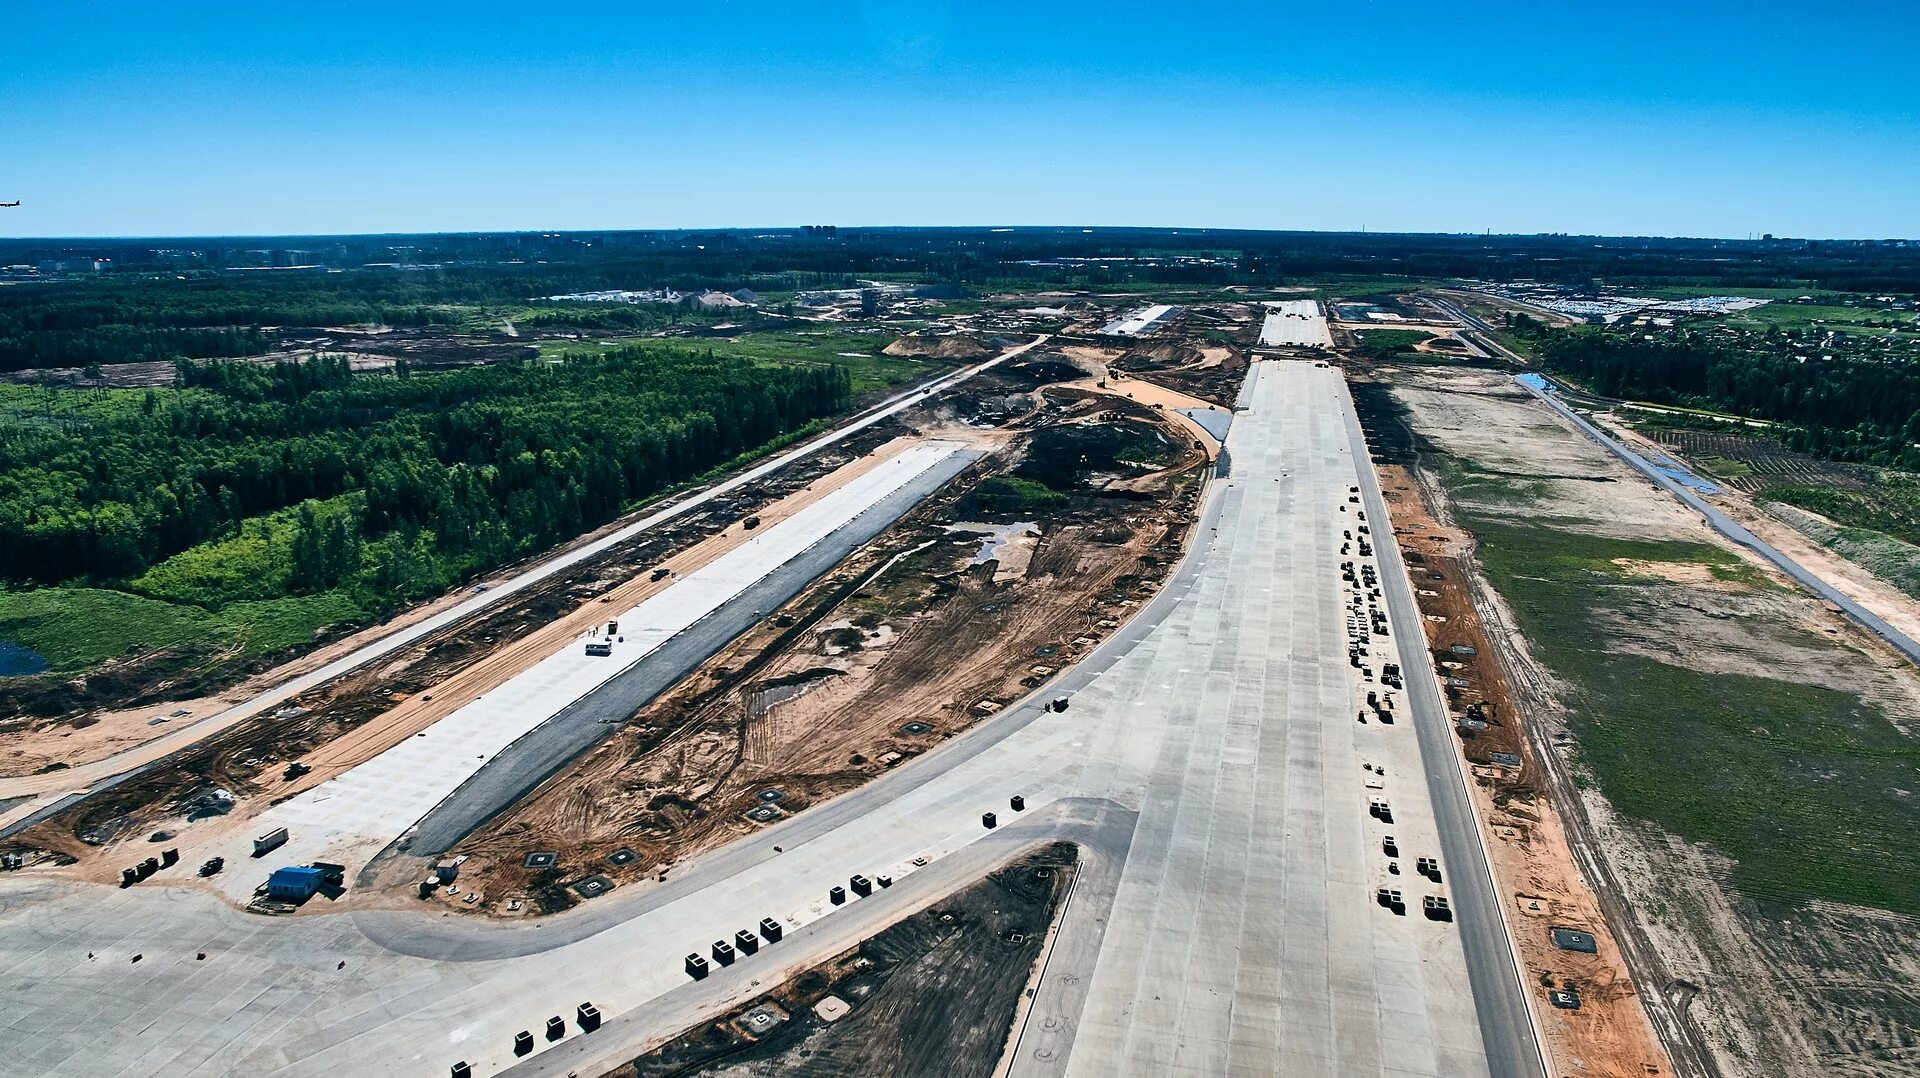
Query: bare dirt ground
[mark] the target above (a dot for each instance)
(1103, 377)
(1732, 989)
(1539, 880)
(1517, 447)
(934, 995)
(909, 642)
(946, 346)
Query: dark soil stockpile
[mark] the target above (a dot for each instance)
(1163, 353)
(1389, 436)
(1067, 458)
(932, 996)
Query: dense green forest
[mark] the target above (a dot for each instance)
(252, 482)
(1836, 402)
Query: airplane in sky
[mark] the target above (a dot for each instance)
(6, 204)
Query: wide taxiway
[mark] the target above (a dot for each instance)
(1211, 761)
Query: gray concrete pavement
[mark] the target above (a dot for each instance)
(1210, 761)
(541, 752)
(1501, 996)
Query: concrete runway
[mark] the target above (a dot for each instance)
(1295, 323)
(530, 760)
(1210, 763)
(438, 784)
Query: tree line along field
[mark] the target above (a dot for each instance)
(256, 503)
(1854, 398)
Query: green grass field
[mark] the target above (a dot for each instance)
(1799, 785)
(1724, 468)
(1380, 341)
(76, 629)
(1801, 316)
(860, 353)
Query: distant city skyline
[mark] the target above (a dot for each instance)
(1709, 119)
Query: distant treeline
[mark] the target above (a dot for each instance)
(255, 481)
(139, 308)
(41, 348)
(1846, 407)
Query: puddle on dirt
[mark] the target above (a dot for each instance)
(840, 637)
(1011, 545)
(17, 660)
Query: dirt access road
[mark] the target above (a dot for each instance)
(1103, 379)
(50, 789)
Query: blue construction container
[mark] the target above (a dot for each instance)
(294, 884)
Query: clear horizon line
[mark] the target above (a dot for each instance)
(1488, 234)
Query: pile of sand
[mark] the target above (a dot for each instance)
(951, 346)
(1157, 353)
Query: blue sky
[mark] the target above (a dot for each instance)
(1677, 118)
